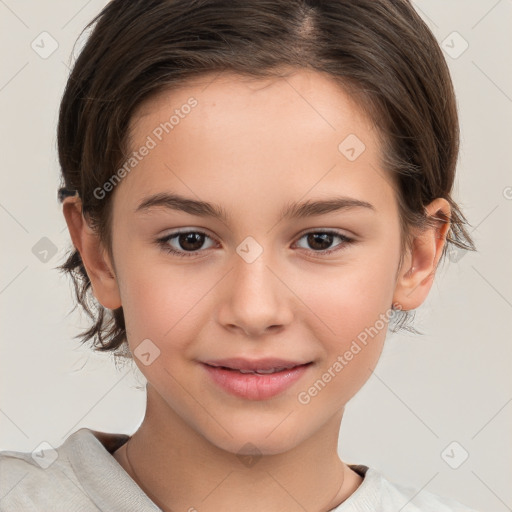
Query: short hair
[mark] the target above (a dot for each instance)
(379, 51)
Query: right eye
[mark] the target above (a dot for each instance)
(183, 243)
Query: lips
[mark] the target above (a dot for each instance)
(255, 379)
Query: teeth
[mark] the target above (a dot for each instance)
(263, 372)
(273, 370)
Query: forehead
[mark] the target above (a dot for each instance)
(306, 93)
(277, 137)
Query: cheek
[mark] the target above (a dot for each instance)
(162, 303)
(349, 356)
(347, 299)
(352, 309)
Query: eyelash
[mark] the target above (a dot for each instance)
(163, 242)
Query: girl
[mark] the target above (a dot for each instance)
(254, 190)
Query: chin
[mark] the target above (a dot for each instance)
(252, 437)
(255, 445)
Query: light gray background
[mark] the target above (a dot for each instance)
(452, 384)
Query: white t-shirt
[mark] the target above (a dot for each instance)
(81, 475)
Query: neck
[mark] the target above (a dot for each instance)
(181, 470)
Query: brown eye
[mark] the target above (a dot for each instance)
(190, 241)
(321, 241)
(184, 243)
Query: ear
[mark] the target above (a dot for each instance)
(416, 276)
(94, 256)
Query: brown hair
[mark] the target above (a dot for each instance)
(379, 51)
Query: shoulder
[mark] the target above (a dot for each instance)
(419, 500)
(30, 480)
(71, 477)
(48, 478)
(376, 492)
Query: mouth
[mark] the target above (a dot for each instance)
(257, 379)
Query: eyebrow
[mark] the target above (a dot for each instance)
(293, 210)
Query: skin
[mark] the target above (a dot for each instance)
(253, 146)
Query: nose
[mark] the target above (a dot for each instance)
(253, 299)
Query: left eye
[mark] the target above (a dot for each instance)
(322, 240)
(188, 243)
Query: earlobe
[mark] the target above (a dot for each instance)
(416, 276)
(94, 257)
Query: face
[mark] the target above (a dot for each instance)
(268, 284)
